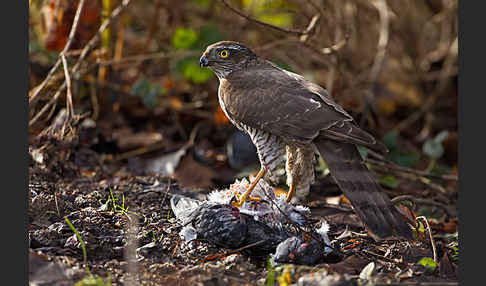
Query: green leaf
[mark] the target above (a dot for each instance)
(93, 280)
(389, 181)
(184, 38)
(455, 255)
(140, 87)
(428, 263)
(193, 72)
(421, 227)
(363, 152)
(150, 98)
(275, 12)
(270, 280)
(322, 167)
(149, 91)
(277, 19)
(209, 34)
(391, 140)
(401, 157)
(189, 68)
(202, 3)
(406, 159)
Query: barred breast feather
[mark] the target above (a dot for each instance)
(270, 149)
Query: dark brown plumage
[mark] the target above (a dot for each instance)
(285, 114)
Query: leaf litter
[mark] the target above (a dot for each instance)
(163, 256)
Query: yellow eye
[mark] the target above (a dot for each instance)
(224, 54)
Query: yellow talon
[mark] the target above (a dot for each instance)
(291, 193)
(246, 196)
(240, 200)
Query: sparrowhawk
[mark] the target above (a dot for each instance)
(289, 118)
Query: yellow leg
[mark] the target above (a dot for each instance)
(291, 192)
(246, 195)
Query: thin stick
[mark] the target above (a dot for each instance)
(310, 27)
(57, 205)
(381, 257)
(84, 53)
(69, 95)
(226, 253)
(416, 178)
(382, 40)
(175, 248)
(48, 104)
(423, 202)
(143, 57)
(429, 104)
(166, 192)
(63, 52)
(410, 170)
(430, 235)
(130, 251)
(74, 27)
(291, 31)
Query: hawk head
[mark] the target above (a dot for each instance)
(226, 57)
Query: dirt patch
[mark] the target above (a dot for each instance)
(105, 207)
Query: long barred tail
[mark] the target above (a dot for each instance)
(371, 204)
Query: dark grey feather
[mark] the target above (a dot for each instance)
(357, 183)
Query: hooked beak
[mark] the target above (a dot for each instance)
(203, 62)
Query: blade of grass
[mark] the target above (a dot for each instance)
(83, 246)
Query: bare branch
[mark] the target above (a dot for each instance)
(444, 75)
(382, 8)
(63, 52)
(69, 95)
(284, 30)
(410, 170)
(422, 201)
(430, 235)
(86, 50)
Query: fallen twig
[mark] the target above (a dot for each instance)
(69, 95)
(229, 252)
(423, 202)
(430, 235)
(413, 177)
(166, 192)
(378, 256)
(395, 167)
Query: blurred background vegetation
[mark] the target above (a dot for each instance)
(138, 91)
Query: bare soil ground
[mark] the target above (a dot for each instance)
(131, 236)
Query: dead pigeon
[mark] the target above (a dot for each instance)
(271, 225)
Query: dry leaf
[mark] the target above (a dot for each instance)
(220, 117)
(190, 173)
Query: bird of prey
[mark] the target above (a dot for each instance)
(290, 118)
